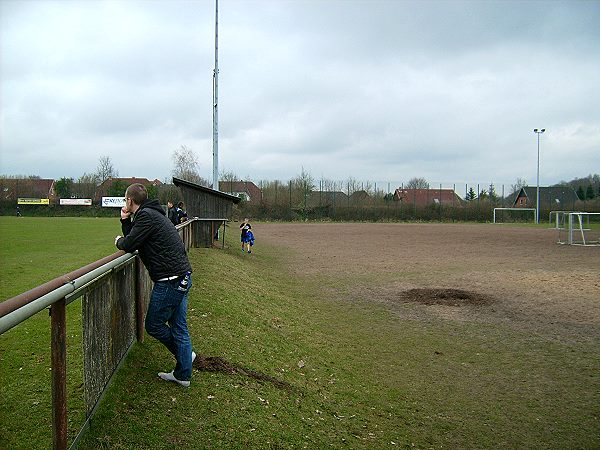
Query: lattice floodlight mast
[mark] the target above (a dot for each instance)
(537, 201)
(215, 177)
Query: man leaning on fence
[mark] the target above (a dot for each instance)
(147, 229)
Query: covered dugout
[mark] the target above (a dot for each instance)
(213, 208)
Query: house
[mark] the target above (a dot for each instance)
(12, 189)
(104, 187)
(327, 198)
(360, 198)
(246, 190)
(424, 197)
(555, 198)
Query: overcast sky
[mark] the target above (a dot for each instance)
(379, 91)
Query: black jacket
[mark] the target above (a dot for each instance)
(172, 215)
(151, 233)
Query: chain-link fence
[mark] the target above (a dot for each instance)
(381, 201)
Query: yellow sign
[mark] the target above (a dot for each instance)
(33, 201)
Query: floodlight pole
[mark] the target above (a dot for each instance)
(537, 202)
(215, 177)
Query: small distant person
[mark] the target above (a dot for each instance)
(181, 214)
(147, 229)
(247, 237)
(18, 211)
(171, 212)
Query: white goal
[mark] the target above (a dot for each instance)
(559, 219)
(580, 228)
(504, 215)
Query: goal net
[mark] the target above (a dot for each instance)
(558, 219)
(580, 228)
(511, 215)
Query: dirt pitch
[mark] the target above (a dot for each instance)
(518, 276)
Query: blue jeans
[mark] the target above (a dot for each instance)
(166, 321)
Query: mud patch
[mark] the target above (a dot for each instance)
(218, 364)
(445, 297)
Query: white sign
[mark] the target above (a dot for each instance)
(76, 201)
(113, 202)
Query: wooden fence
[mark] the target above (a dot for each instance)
(115, 292)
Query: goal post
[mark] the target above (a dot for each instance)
(515, 214)
(561, 218)
(581, 228)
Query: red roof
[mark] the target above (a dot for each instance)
(235, 187)
(11, 189)
(422, 197)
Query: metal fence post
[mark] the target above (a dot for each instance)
(58, 332)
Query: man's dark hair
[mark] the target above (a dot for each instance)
(137, 192)
(180, 204)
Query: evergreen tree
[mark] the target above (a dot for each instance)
(152, 191)
(580, 193)
(63, 187)
(117, 188)
(492, 193)
(471, 195)
(589, 193)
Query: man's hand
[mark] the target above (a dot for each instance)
(117, 239)
(125, 213)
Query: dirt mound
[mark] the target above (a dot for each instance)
(218, 364)
(447, 297)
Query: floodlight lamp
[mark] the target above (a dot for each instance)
(542, 130)
(535, 130)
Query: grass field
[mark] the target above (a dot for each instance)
(34, 251)
(359, 373)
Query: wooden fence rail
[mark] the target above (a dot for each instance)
(115, 292)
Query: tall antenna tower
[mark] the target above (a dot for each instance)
(215, 177)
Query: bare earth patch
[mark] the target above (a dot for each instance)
(517, 276)
(219, 364)
(447, 297)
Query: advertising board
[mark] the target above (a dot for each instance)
(33, 201)
(113, 202)
(76, 201)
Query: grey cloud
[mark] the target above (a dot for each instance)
(372, 89)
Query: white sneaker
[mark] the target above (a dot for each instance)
(170, 377)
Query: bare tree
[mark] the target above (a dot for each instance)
(302, 186)
(226, 181)
(169, 193)
(105, 169)
(85, 187)
(417, 183)
(186, 166)
(351, 186)
(518, 185)
(327, 185)
(273, 192)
